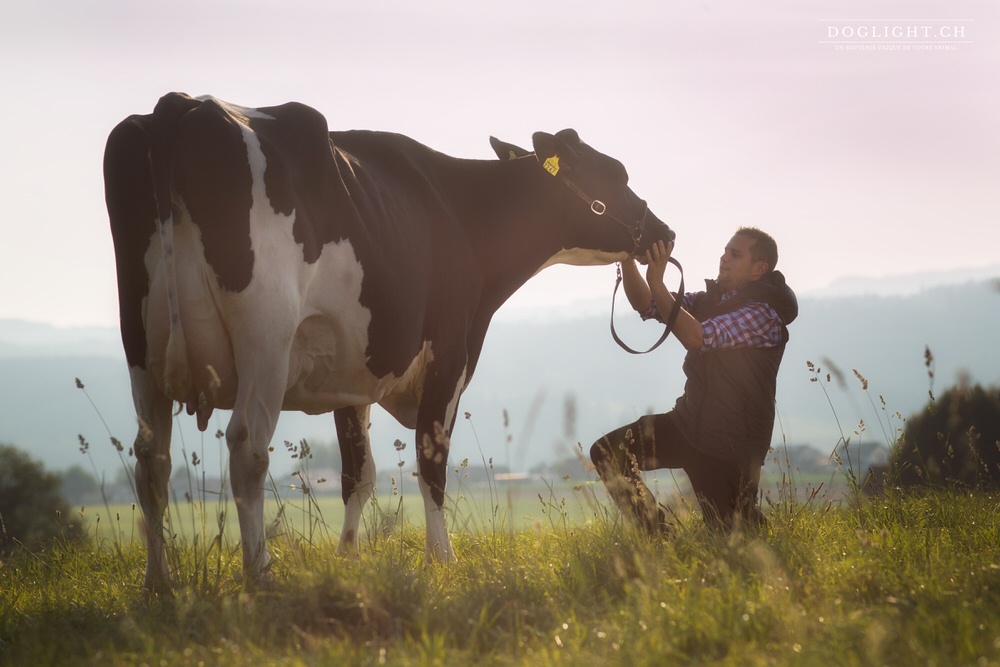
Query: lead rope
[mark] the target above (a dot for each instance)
(670, 318)
(598, 208)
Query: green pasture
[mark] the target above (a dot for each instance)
(321, 517)
(908, 579)
(518, 505)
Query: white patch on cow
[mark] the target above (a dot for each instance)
(584, 257)
(235, 110)
(205, 367)
(449, 414)
(353, 510)
(328, 353)
(364, 490)
(438, 542)
(176, 378)
(401, 396)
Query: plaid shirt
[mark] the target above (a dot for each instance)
(753, 325)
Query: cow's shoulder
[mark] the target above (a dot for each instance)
(294, 120)
(384, 150)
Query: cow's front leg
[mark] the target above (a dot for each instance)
(434, 424)
(432, 464)
(358, 477)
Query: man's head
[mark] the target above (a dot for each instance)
(749, 255)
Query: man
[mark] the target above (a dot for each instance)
(719, 430)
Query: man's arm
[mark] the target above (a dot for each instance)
(686, 328)
(635, 287)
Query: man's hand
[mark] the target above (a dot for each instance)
(656, 261)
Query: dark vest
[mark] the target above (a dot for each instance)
(727, 409)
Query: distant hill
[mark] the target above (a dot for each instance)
(907, 285)
(558, 380)
(32, 340)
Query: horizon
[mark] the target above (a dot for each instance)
(529, 371)
(529, 305)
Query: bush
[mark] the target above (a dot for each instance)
(32, 510)
(79, 487)
(954, 440)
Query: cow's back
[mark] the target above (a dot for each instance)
(273, 243)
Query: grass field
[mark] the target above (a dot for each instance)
(905, 580)
(517, 506)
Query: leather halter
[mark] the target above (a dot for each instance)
(599, 208)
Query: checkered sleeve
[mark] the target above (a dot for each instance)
(653, 313)
(753, 325)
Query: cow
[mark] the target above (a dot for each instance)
(265, 263)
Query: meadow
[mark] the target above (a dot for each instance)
(905, 579)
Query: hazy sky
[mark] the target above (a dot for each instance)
(861, 158)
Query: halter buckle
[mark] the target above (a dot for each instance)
(598, 207)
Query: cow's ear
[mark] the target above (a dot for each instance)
(556, 151)
(569, 136)
(507, 151)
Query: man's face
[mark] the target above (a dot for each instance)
(736, 266)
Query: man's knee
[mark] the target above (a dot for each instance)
(599, 453)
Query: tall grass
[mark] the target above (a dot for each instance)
(900, 579)
(909, 579)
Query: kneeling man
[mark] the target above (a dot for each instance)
(719, 430)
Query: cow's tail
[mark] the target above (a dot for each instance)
(176, 373)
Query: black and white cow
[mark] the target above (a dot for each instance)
(267, 264)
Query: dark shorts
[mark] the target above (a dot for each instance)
(724, 488)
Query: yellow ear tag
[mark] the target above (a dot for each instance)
(552, 165)
(511, 156)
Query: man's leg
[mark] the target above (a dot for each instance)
(749, 508)
(620, 456)
(725, 491)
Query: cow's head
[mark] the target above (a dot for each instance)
(614, 221)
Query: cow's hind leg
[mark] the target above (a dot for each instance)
(358, 478)
(152, 473)
(255, 416)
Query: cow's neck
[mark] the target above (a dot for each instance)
(520, 227)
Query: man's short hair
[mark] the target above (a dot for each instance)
(764, 248)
